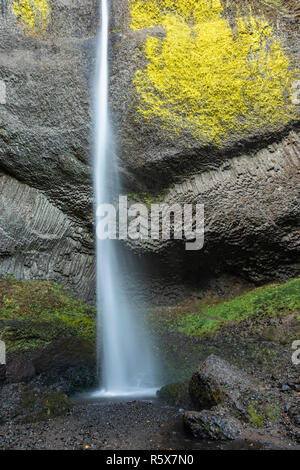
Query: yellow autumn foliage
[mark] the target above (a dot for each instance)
(33, 15)
(205, 78)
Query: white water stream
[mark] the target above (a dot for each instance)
(124, 356)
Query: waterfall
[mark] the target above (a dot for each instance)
(124, 355)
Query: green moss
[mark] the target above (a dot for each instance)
(269, 333)
(25, 335)
(34, 313)
(260, 414)
(255, 418)
(268, 301)
(273, 413)
(218, 395)
(42, 404)
(148, 198)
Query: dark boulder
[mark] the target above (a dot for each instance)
(2, 373)
(69, 381)
(20, 369)
(67, 364)
(216, 382)
(216, 424)
(64, 353)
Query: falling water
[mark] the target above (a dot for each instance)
(123, 351)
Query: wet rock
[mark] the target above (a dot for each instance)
(216, 424)
(67, 364)
(53, 140)
(22, 403)
(216, 381)
(69, 381)
(2, 373)
(20, 369)
(64, 353)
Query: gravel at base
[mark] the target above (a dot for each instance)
(111, 426)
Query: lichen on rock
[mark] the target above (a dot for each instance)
(33, 15)
(208, 78)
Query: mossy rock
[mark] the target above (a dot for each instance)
(35, 313)
(28, 403)
(41, 404)
(54, 332)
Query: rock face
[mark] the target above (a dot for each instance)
(249, 182)
(44, 147)
(251, 217)
(40, 241)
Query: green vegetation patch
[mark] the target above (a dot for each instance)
(259, 415)
(148, 198)
(34, 313)
(268, 301)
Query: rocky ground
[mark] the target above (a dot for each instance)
(120, 426)
(221, 407)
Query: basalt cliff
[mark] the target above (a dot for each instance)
(205, 107)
